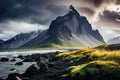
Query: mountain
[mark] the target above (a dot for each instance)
(1, 41)
(114, 40)
(70, 30)
(20, 40)
(73, 30)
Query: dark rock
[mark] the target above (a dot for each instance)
(50, 64)
(53, 59)
(4, 59)
(1, 79)
(43, 63)
(13, 60)
(57, 52)
(29, 59)
(20, 56)
(13, 76)
(32, 70)
(12, 69)
(19, 63)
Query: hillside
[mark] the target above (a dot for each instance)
(93, 63)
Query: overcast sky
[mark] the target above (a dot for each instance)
(22, 16)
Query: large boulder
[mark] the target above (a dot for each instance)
(13, 60)
(43, 63)
(28, 59)
(20, 57)
(4, 59)
(19, 63)
(32, 70)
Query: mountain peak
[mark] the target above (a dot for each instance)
(71, 8)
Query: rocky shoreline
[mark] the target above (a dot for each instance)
(47, 67)
(74, 65)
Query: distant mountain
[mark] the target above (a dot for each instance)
(20, 40)
(70, 30)
(1, 41)
(114, 40)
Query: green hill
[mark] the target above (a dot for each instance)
(99, 63)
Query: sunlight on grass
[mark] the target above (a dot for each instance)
(96, 62)
(95, 68)
(91, 54)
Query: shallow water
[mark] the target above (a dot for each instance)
(27, 52)
(5, 67)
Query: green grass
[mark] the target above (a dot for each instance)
(100, 62)
(95, 68)
(91, 54)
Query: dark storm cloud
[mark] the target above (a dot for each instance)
(29, 13)
(38, 9)
(117, 1)
(95, 2)
(44, 11)
(110, 19)
(99, 3)
(110, 15)
(14, 10)
(30, 10)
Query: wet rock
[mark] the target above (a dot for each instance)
(4, 59)
(19, 63)
(20, 56)
(29, 59)
(32, 70)
(43, 63)
(13, 60)
(13, 76)
(12, 69)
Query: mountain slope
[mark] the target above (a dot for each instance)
(20, 40)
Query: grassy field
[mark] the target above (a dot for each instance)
(100, 63)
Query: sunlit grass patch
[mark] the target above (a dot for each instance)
(96, 63)
(75, 55)
(91, 54)
(95, 68)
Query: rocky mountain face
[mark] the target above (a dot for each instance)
(70, 25)
(70, 30)
(114, 40)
